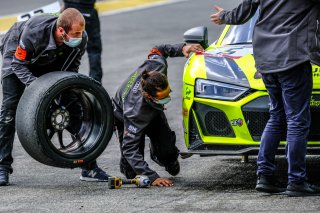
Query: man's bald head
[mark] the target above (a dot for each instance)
(69, 17)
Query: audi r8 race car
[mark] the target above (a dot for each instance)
(225, 104)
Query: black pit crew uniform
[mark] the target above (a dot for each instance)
(28, 51)
(94, 46)
(137, 116)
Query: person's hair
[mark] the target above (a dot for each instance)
(68, 17)
(153, 81)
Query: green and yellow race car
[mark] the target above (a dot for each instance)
(225, 104)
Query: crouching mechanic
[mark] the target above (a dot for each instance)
(138, 110)
(43, 44)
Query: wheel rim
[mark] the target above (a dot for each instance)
(74, 122)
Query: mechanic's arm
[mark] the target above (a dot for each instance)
(238, 15)
(176, 50)
(22, 58)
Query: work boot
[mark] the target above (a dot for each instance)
(94, 175)
(302, 189)
(4, 177)
(173, 168)
(268, 184)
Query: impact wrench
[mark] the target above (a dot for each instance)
(140, 181)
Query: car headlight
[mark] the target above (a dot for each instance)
(218, 90)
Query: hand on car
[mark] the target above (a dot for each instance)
(162, 182)
(188, 48)
(215, 18)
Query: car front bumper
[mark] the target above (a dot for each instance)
(215, 127)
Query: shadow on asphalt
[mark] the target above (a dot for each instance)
(231, 175)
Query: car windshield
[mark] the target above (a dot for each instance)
(241, 34)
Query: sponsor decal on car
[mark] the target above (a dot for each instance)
(316, 72)
(314, 102)
(187, 93)
(237, 122)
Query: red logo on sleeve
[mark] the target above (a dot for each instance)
(20, 54)
(154, 51)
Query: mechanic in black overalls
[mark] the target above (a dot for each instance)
(43, 44)
(282, 56)
(94, 46)
(138, 110)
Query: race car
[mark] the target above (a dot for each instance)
(225, 104)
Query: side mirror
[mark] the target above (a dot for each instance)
(197, 35)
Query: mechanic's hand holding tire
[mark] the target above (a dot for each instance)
(64, 119)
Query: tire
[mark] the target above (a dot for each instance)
(64, 119)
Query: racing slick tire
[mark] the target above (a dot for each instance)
(64, 119)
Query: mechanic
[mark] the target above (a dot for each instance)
(94, 45)
(43, 44)
(138, 109)
(280, 46)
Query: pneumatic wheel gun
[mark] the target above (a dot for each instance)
(140, 181)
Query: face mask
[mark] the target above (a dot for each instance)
(73, 42)
(162, 101)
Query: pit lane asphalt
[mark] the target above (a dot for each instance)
(209, 184)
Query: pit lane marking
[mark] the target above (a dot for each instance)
(104, 8)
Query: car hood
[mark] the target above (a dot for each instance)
(233, 64)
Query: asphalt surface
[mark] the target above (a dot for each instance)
(209, 184)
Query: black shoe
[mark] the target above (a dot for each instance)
(268, 184)
(4, 178)
(94, 175)
(302, 189)
(173, 168)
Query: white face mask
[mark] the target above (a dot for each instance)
(162, 101)
(73, 42)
